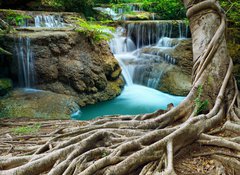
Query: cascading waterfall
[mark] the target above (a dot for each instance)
(139, 46)
(183, 30)
(25, 60)
(138, 49)
(48, 21)
(148, 33)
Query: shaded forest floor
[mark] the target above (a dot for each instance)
(22, 136)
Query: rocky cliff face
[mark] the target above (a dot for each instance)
(66, 62)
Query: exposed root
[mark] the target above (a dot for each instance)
(229, 162)
(217, 153)
(218, 141)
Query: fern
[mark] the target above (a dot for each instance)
(200, 105)
(94, 30)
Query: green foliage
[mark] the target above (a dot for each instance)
(14, 17)
(106, 22)
(167, 9)
(232, 9)
(93, 30)
(4, 52)
(105, 154)
(84, 6)
(125, 1)
(26, 129)
(53, 3)
(200, 105)
(125, 8)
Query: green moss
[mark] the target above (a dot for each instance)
(116, 74)
(233, 43)
(42, 104)
(140, 16)
(5, 86)
(116, 85)
(14, 17)
(26, 129)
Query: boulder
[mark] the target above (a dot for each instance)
(175, 82)
(67, 62)
(37, 104)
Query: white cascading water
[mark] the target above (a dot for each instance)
(25, 60)
(142, 60)
(114, 15)
(119, 12)
(23, 51)
(48, 21)
(138, 67)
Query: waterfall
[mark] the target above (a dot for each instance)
(120, 43)
(165, 42)
(138, 49)
(135, 8)
(183, 30)
(48, 21)
(153, 16)
(114, 15)
(148, 33)
(25, 59)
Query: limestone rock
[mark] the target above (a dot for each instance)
(176, 82)
(38, 104)
(66, 62)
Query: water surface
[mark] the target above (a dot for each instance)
(134, 99)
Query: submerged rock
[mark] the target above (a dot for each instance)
(5, 86)
(38, 104)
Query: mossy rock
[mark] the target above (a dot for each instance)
(37, 104)
(5, 86)
(138, 16)
(175, 82)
